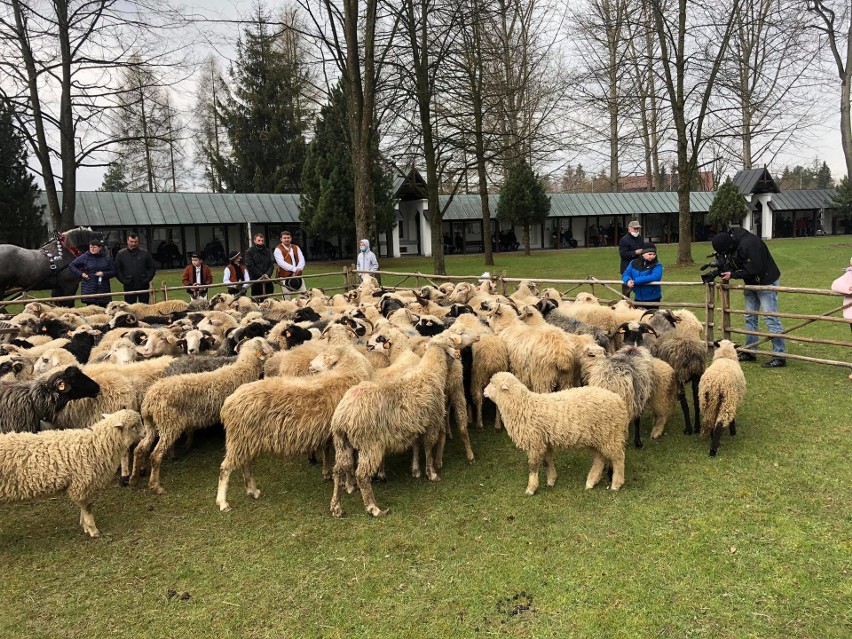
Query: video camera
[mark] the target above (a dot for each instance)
(718, 266)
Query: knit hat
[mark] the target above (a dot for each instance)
(649, 248)
(722, 242)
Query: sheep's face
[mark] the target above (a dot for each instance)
(122, 352)
(462, 293)
(499, 383)
(325, 361)
(72, 383)
(15, 368)
(379, 343)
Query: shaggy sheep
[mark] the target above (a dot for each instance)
(629, 373)
(183, 403)
(24, 405)
(286, 416)
(526, 293)
(686, 354)
(544, 357)
(391, 416)
(549, 309)
(720, 392)
(79, 462)
(541, 424)
(14, 368)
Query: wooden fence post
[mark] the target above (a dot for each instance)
(710, 312)
(503, 282)
(726, 312)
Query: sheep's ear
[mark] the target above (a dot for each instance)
(69, 333)
(646, 328)
(288, 333)
(386, 345)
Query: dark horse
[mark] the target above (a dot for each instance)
(45, 267)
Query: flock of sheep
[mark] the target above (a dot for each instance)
(351, 378)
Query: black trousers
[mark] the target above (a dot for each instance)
(262, 288)
(132, 298)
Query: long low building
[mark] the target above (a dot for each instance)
(173, 225)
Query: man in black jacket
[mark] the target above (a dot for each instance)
(750, 261)
(135, 270)
(629, 248)
(258, 261)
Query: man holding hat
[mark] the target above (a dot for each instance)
(629, 248)
(94, 268)
(291, 263)
(751, 261)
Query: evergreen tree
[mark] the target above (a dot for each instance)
(263, 115)
(328, 192)
(115, 180)
(728, 206)
(842, 200)
(823, 177)
(523, 200)
(20, 219)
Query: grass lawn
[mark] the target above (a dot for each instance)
(752, 543)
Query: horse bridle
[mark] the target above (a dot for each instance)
(61, 244)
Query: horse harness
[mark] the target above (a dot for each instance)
(61, 245)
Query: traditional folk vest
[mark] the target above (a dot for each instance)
(286, 255)
(233, 273)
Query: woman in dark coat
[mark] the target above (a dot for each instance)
(94, 268)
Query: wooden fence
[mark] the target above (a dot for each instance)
(605, 290)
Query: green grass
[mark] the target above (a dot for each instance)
(753, 543)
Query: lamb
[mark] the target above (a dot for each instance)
(184, 403)
(79, 462)
(24, 404)
(286, 416)
(542, 423)
(391, 416)
(720, 392)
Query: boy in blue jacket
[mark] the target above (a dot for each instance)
(640, 272)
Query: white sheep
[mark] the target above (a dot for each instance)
(184, 403)
(542, 423)
(78, 461)
(391, 416)
(720, 392)
(286, 415)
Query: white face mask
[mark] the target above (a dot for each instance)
(634, 233)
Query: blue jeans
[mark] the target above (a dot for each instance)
(763, 301)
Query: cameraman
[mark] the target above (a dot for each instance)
(748, 259)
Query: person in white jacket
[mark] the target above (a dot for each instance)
(366, 260)
(843, 284)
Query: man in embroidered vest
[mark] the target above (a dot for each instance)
(196, 274)
(291, 262)
(236, 272)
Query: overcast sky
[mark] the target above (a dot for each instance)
(823, 141)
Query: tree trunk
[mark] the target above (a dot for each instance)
(526, 237)
(66, 121)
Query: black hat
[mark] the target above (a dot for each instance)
(235, 255)
(96, 242)
(649, 248)
(194, 255)
(722, 242)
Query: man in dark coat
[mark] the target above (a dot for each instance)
(629, 248)
(258, 261)
(749, 260)
(94, 268)
(136, 269)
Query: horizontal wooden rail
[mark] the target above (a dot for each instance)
(795, 338)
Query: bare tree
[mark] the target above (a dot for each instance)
(57, 64)
(208, 135)
(832, 25)
(694, 39)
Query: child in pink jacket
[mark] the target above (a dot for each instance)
(843, 284)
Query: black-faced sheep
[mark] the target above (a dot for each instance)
(23, 405)
(542, 423)
(720, 392)
(286, 416)
(391, 416)
(184, 403)
(79, 462)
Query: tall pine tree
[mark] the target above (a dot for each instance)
(21, 220)
(328, 190)
(263, 115)
(523, 200)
